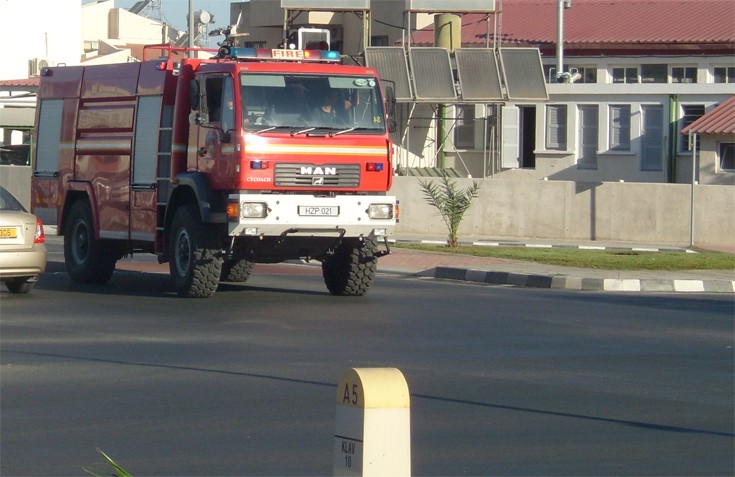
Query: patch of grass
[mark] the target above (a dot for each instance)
(600, 259)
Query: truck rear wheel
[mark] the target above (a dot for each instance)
(193, 255)
(88, 260)
(350, 271)
(237, 270)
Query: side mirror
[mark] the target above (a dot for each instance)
(390, 106)
(390, 98)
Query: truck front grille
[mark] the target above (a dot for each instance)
(309, 175)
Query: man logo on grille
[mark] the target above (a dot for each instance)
(318, 171)
(317, 181)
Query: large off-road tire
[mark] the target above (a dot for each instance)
(350, 271)
(237, 270)
(88, 260)
(193, 255)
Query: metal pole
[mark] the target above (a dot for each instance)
(284, 33)
(191, 28)
(693, 147)
(559, 38)
(484, 141)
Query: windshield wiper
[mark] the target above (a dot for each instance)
(296, 133)
(344, 131)
(356, 128)
(260, 131)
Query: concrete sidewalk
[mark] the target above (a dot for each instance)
(528, 274)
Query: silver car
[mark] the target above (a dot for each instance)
(22, 245)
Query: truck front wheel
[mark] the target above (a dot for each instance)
(351, 269)
(88, 260)
(237, 270)
(193, 255)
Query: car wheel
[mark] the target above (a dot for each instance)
(20, 284)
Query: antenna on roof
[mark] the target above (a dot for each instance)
(561, 75)
(152, 9)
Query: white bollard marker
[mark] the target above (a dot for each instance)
(373, 423)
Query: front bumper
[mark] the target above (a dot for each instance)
(268, 215)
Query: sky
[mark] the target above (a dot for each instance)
(175, 11)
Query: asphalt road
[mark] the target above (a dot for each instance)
(503, 381)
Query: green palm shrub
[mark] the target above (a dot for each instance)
(451, 203)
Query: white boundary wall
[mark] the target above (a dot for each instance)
(564, 210)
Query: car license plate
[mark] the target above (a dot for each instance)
(8, 232)
(319, 211)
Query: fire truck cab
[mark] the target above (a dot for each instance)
(217, 164)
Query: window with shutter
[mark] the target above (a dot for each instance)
(588, 125)
(620, 127)
(652, 138)
(556, 127)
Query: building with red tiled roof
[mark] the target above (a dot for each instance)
(642, 70)
(721, 120)
(716, 151)
(607, 27)
(22, 85)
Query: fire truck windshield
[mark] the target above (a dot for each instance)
(273, 101)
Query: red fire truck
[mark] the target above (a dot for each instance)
(250, 156)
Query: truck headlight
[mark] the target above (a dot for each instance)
(380, 211)
(253, 210)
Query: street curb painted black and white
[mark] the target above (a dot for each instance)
(580, 283)
(488, 243)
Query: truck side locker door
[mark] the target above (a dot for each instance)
(153, 136)
(45, 190)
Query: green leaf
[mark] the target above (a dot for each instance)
(118, 471)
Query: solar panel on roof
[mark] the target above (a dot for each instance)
(479, 77)
(524, 75)
(390, 63)
(443, 6)
(432, 75)
(328, 5)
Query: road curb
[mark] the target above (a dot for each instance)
(521, 244)
(565, 282)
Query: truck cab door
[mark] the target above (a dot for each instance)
(217, 129)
